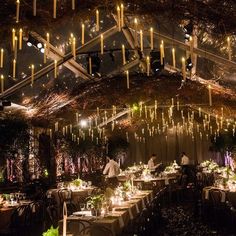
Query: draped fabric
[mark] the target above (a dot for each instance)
(168, 148)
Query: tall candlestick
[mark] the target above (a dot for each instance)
(82, 37)
(2, 83)
(229, 48)
(45, 54)
(54, 9)
(183, 69)
(148, 65)
(13, 39)
(136, 31)
(97, 20)
(102, 44)
(20, 39)
(122, 15)
(34, 7)
(151, 38)
(1, 58)
(55, 69)
(73, 4)
(127, 79)
(123, 54)
(222, 112)
(173, 58)
(17, 10)
(90, 65)
(141, 40)
(14, 69)
(118, 18)
(32, 75)
(210, 97)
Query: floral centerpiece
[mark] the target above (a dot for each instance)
(96, 202)
(77, 182)
(51, 232)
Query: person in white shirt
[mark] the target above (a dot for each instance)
(184, 159)
(152, 163)
(112, 169)
(185, 169)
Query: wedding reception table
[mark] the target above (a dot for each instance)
(76, 194)
(225, 194)
(115, 220)
(8, 209)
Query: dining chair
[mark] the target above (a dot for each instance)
(79, 227)
(19, 222)
(100, 230)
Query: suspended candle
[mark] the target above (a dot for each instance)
(74, 48)
(183, 69)
(15, 50)
(73, 4)
(163, 48)
(123, 54)
(13, 39)
(82, 37)
(20, 39)
(17, 10)
(56, 126)
(209, 94)
(55, 69)
(90, 65)
(151, 38)
(48, 41)
(1, 58)
(162, 55)
(54, 9)
(2, 83)
(97, 20)
(118, 18)
(122, 15)
(32, 75)
(229, 48)
(148, 65)
(127, 79)
(14, 69)
(102, 44)
(191, 47)
(136, 31)
(173, 58)
(141, 40)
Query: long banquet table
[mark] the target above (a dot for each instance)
(225, 195)
(115, 220)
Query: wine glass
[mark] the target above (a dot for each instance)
(82, 206)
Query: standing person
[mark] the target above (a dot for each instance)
(185, 167)
(112, 170)
(152, 166)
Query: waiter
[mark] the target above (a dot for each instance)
(112, 170)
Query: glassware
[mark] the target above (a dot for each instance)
(82, 206)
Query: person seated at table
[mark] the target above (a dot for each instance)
(112, 170)
(152, 166)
